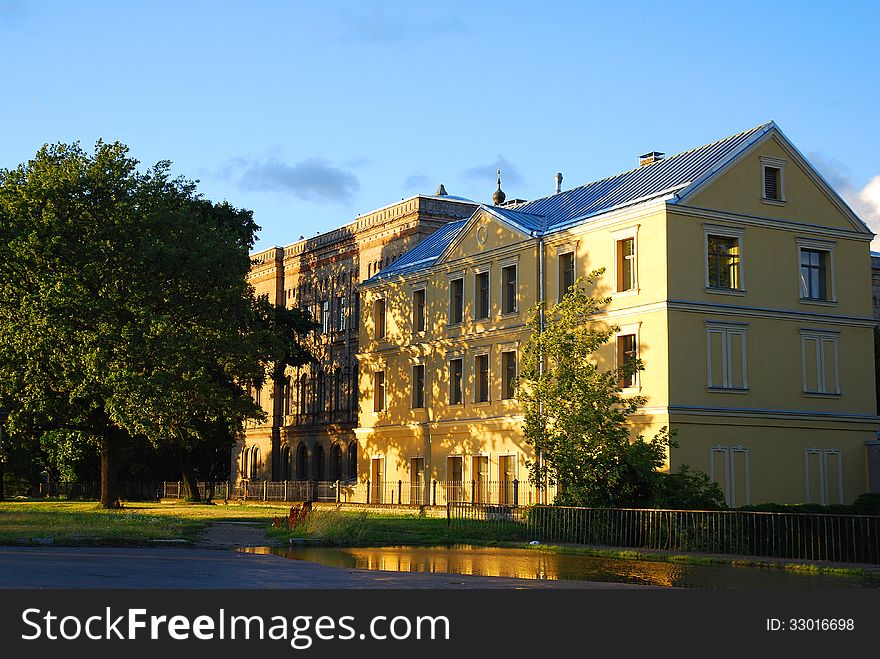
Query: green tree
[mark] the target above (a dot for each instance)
(575, 413)
(124, 309)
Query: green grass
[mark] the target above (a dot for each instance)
(66, 522)
(361, 528)
(371, 529)
(72, 523)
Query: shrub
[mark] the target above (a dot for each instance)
(688, 490)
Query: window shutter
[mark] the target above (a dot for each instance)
(771, 183)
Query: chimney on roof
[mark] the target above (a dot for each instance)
(650, 157)
(558, 182)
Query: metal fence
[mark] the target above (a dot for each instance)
(439, 493)
(285, 490)
(127, 491)
(804, 536)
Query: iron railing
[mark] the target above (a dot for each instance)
(439, 493)
(127, 491)
(803, 536)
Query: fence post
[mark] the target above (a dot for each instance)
(285, 491)
(179, 489)
(448, 515)
(368, 491)
(473, 490)
(164, 489)
(434, 487)
(399, 491)
(265, 490)
(515, 492)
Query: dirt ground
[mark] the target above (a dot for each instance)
(228, 535)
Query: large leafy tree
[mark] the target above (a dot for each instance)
(576, 414)
(124, 308)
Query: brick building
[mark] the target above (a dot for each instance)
(309, 431)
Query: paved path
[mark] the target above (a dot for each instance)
(171, 567)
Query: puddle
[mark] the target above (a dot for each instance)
(526, 564)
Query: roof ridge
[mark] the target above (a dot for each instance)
(635, 169)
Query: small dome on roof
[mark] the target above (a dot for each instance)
(498, 197)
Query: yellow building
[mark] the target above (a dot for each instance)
(310, 416)
(738, 277)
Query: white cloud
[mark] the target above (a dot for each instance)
(313, 180)
(866, 204)
(509, 173)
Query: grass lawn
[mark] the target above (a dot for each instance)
(75, 522)
(362, 528)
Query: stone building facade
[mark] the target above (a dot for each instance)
(309, 431)
(737, 277)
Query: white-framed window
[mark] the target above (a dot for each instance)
(456, 381)
(418, 386)
(508, 374)
(456, 300)
(820, 356)
(325, 316)
(566, 273)
(823, 476)
(726, 362)
(481, 378)
(480, 478)
(481, 295)
(626, 275)
(416, 480)
(379, 317)
(509, 293)
(378, 391)
(626, 356)
(772, 180)
(418, 310)
(508, 468)
(729, 467)
(377, 478)
(816, 282)
(723, 255)
(455, 489)
(340, 313)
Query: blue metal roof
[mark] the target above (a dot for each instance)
(565, 209)
(647, 182)
(526, 222)
(424, 254)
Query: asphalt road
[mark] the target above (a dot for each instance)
(171, 567)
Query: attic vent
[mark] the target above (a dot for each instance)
(771, 183)
(650, 157)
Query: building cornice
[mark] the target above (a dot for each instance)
(767, 222)
(761, 413)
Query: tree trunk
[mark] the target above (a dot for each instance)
(109, 470)
(188, 476)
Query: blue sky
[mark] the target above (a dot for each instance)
(310, 114)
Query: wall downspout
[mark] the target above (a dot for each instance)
(541, 484)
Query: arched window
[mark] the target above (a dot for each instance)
(243, 462)
(338, 379)
(285, 463)
(318, 473)
(352, 460)
(288, 385)
(303, 394)
(335, 462)
(322, 392)
(302, 462)
(255, 462)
